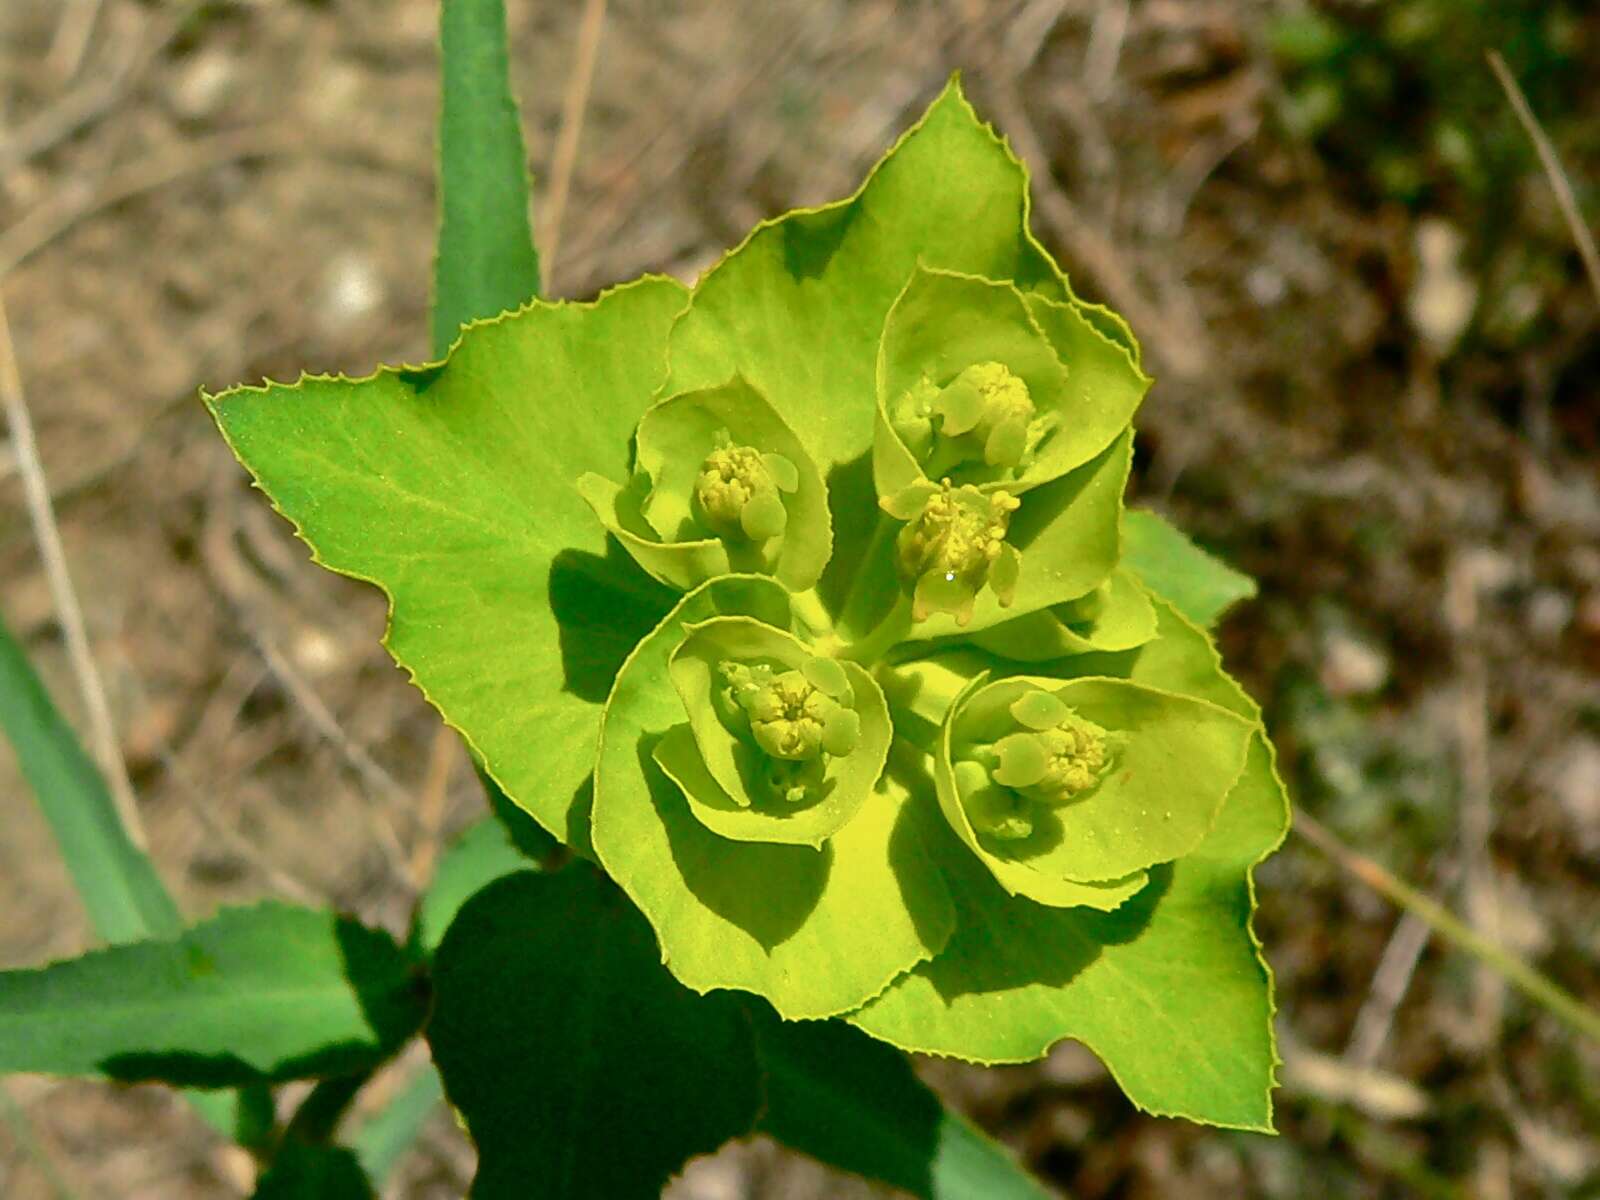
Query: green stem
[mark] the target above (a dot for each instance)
(319, 1114)
(888, 632)
(1539, 988)
(813, 614)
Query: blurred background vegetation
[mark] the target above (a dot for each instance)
(1378, 391)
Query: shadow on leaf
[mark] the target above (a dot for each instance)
(765, 889)
(604, 607)
(857, 522)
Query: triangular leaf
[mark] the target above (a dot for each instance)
(799, 306)
(454, 489)
(1169, 990)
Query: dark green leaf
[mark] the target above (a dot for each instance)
(125, 897)
(486, 262)
(119, 887)
(852, 1102)
(256, 994)
(581, 1067)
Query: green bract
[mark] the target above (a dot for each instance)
(721, 484)
(780, 745)
(805, 603)
(1069, 791)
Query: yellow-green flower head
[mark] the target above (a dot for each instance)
(1055, 756)
(790, 716)
(954, 546)
(989, 407)
(739, 491)
(1055, 761)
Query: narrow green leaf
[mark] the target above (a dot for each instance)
(854, 1103)
(118, 885)
(486, 262)
(381, 1140)
(255, 994)
(582, 1069)
(1197, 584)
(303, 1171)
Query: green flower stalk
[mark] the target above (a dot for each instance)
(805, 604)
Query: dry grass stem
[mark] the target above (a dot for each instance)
(1552, 168)
(431, 803)
(95, 98)
(376, 779)
(1537, 987)
(71, 41)
(102, 730)
(287, 885)
(1390, 983)
(36, 1147)
(1480, 891)
(573, 107)
(78, 199)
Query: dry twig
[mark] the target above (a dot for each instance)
(102, 730)
(71, 40)
(371, 772)
(1552, 168)
(1390, 983)
(95, 98)
(1539, 988)
(1480, 890)
(78, 200)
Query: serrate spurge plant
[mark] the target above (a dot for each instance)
(805, 604)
